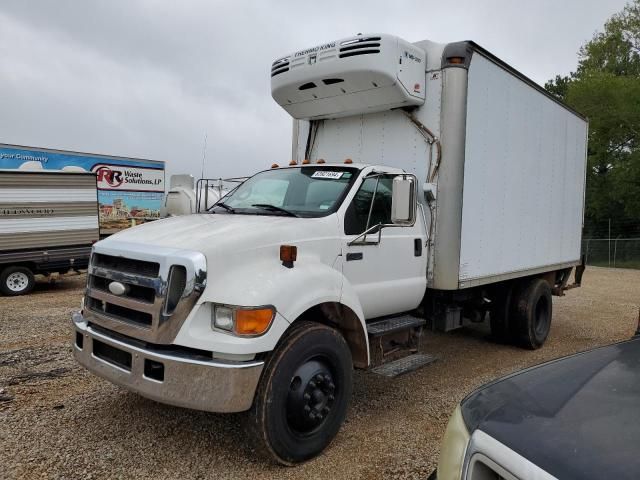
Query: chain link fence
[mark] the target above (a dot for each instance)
(612, 252)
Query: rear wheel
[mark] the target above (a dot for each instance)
(303, 395)
(533, 309)
(500, 314)
(16, 281)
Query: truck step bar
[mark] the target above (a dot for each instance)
(404, 365)
(394, 324)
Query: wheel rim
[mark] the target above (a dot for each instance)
(542, 316)
(311, 396)
(17, 281)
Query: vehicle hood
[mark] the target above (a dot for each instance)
(577, 417)
(215, 231)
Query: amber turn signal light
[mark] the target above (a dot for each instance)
(288, 255)
(456, 60)
(254, 321)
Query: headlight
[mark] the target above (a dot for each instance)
(244, 321)
(222, 317)
(453, 449)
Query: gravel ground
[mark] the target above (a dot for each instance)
(58, 421)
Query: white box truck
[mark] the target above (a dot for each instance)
(430, 183)
(48, 224)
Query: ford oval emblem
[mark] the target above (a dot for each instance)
(117, 288)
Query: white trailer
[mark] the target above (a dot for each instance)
(48, 223)
(431, 185)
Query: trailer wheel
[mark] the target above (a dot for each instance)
(533, 309)
(303, 395)
(500, 317)
(16, 281)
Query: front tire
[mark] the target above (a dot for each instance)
(16, 281)
(303, 395)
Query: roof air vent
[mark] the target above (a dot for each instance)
(332, 81)
(359, 46)
(280, 66)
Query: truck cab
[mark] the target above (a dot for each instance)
(209, 296)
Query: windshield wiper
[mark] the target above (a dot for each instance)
(225, 206)
(273, 208)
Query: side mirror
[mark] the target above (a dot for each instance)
(403, 200)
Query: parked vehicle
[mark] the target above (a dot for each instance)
(430, 183)
(130, 190)
(48, 223)
(575, 417)
(185, 196)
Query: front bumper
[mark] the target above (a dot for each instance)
(173, 377)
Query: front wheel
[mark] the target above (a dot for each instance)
(303, 395)
(16, 281)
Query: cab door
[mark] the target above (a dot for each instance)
(387, 268)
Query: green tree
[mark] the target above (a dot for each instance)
(617, 49)
(606, 88)
(559, 86)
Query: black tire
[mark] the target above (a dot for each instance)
(533, 309)
(16, 281)
(500, 316)
(309, 372)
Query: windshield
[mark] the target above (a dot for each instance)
(302, 192)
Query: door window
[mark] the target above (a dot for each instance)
(376, 190)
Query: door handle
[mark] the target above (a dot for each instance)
(417, 247)
(354, 256)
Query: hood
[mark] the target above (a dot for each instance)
(577, 417)
(213, 231)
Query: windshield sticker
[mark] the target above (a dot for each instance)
(327, 174)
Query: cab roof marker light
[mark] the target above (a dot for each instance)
(275, 165)
(321, 160)
(348, 161)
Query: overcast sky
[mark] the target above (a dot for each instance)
(149, 78)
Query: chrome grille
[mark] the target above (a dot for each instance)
(141, 311)
(137, 292)
(113, 310)
(129, 265)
